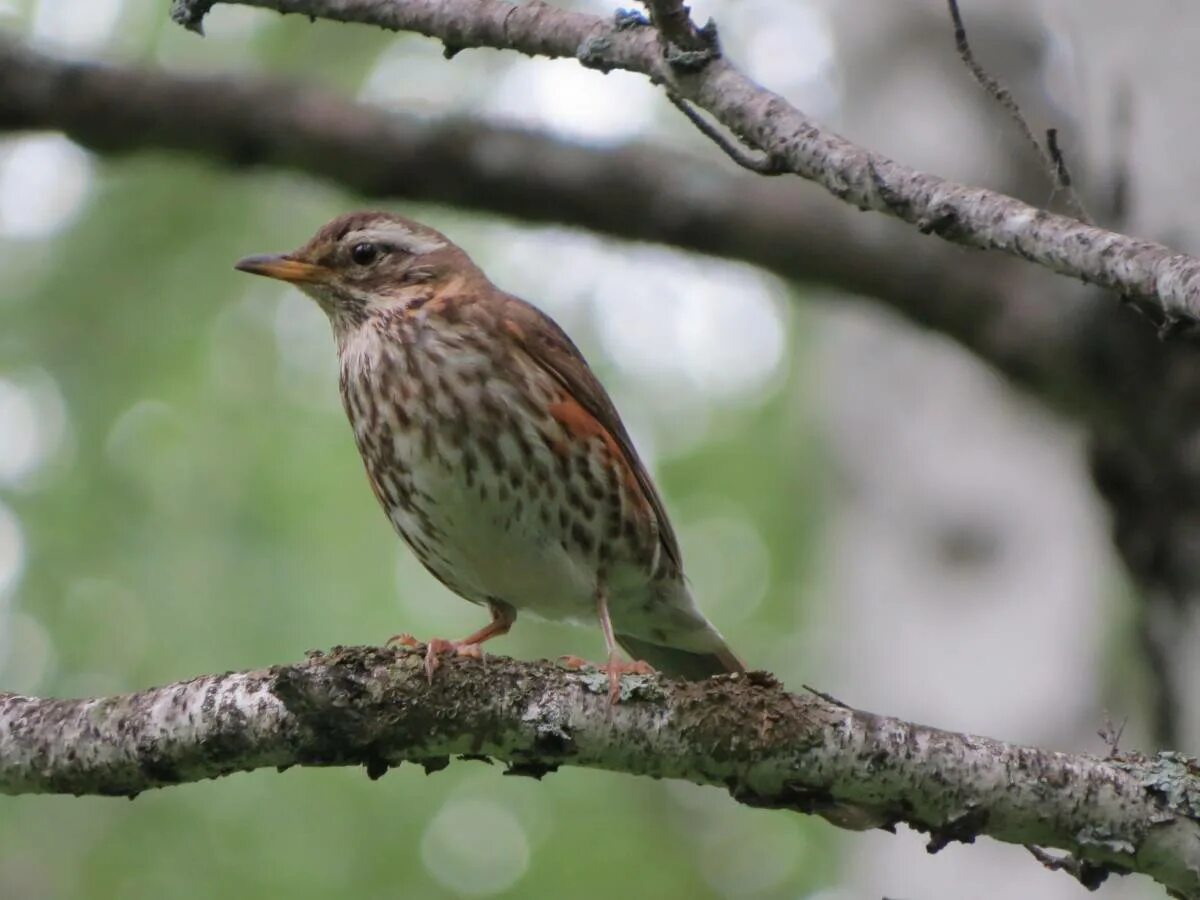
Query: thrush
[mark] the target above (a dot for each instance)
(493, 448)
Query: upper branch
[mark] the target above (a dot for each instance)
(1163, 283)
(638, 192)
(373, 707)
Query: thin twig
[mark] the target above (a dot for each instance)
(1090, 876)
(1111, 735)
(763, 165)
(1050, 155)
(1061, 172)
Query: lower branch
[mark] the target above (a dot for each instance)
(373, 707)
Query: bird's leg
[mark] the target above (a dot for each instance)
(503, 616)
(610, 644)
(614, 667)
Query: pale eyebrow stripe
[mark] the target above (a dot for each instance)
(402, 237)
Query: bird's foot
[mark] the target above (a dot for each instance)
(434, 647)
(615, 668)
(574, 663)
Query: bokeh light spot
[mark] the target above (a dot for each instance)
(307, 356)
(234, 23)
(728, 563)
(573, 102)
(72, 25)
(33, 423)
(755, 859)
(18, 432)
(718, 325)
(12, 549)
(26, 653)
(475, 848)
(795, 49)
(44, 182)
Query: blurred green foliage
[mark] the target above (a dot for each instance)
(205, 510)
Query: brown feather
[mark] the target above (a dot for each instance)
(550, 347)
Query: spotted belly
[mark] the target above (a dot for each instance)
(499, 498)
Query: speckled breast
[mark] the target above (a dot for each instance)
(502, 485)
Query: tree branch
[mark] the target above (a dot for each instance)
(635, 192)
(1161, 282)
(765, 165)
(374, 707)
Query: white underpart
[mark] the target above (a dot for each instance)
(490, 549)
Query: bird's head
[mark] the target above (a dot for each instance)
(365, 263)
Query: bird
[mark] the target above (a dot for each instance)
(495, 451)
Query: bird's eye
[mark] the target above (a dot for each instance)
(364, 254)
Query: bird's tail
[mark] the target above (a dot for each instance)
(694, 665)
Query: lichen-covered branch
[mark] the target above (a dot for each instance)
(374, 707)
(1162, 282)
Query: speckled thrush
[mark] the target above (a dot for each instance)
(494, 450)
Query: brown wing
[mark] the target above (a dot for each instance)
(549, 346)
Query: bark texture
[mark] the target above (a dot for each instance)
(373, 707)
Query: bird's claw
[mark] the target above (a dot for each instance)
(614, 668)
(435, 647)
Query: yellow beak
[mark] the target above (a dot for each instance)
(283, 267)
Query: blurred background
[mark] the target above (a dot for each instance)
(939, 485)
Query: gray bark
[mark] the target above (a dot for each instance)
(374, 707)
